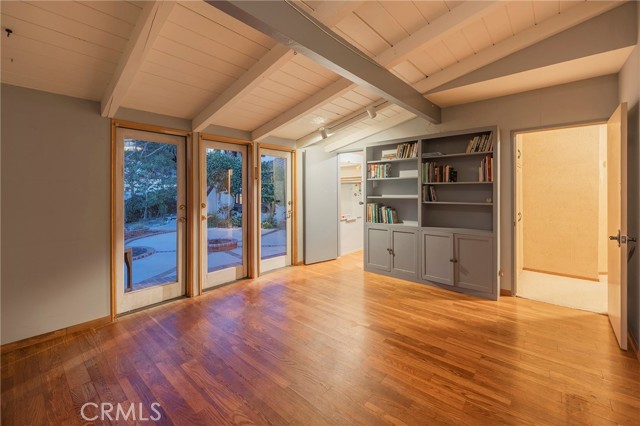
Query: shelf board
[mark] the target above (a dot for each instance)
(461, 154)
(394, 178)
(400, 197)
(457, 203)
(391, 224)
(457, 183)
(397, 160)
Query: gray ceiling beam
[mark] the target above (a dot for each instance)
(293, 27)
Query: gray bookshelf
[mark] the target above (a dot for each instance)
(452, 241)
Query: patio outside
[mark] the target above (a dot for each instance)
(151, 212)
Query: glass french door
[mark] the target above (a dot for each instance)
(276, 208)
(150, 219)
(223, 183)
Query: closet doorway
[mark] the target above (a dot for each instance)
(561, 216)
(350, 202)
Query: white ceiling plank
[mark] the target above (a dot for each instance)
(543, 30)
(290, 26)
(435, 30)
(338, 141)
(326, 95)
(152, 18)
(272, 61)
(449, 23)
(266, 66)
(587, 39)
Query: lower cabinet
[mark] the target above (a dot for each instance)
(464, 261)
(392, 250)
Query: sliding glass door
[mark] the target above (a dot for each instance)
(223, 183)
(150, 218)
(276, 208)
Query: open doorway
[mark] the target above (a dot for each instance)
(561, 216)
(350, 204)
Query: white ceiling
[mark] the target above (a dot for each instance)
(187, 63)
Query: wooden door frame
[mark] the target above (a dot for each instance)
(203, 137)
(294, 200)
(189, 264)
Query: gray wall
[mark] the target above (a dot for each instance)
(588, 100)
(55, 208)
(55, 212)
(629, 91)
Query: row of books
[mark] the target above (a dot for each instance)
(407, 150)
(381, 214)
(429, 193)
(434, 173)
(378, 171)
(481, 143)
(485, 171)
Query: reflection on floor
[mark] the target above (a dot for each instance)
(564, 291)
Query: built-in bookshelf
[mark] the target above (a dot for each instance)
(393, 182)
(457, 178)
(432, 212)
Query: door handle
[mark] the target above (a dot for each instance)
(453, 260)
(615, 238)
(519, 216)
(360, 202)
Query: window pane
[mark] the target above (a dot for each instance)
(150, 209)
(224, 209)
(273, 209)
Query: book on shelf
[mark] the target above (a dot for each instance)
(431, 172)
(480, 143)
(485, 170)
(377, 213)
(407, 150)
(389, 154)
(429, 193)
(378, 171)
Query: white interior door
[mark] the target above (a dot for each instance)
(617, 222)
(320, 205)
(276, 209)
(223, 195)
(150, 218)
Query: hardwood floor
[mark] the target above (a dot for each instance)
(331, 345)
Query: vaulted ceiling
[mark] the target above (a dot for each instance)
(194, 61)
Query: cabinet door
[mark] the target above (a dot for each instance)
(404, 256)
(377, 249)
(437, 257)
(474, 267)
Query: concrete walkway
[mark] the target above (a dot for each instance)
(160, 267)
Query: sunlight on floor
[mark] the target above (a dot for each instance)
(570, 292)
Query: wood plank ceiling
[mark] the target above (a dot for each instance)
(74, 47)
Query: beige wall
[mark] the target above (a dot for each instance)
(602, 203)
(561, 201)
